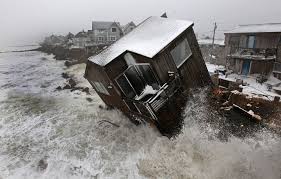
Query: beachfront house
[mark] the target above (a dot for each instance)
(104, 33)
(149, 72)
(254, 49)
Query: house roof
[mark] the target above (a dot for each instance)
(128, 25)
(147, 39)
(81, 34)
(256, 28)
(102, 24)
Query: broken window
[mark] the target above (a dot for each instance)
(181, 53)
(126, 87)
(147, 75)
(134, 80)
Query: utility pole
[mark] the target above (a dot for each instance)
(213, 42)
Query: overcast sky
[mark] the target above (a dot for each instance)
(28, 21)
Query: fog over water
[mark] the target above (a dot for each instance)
(62, 129)
(28, 21)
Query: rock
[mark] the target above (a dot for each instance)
(76, 88)
(42, 164)
(86, 90)
(65, 75)
(89, 99)
(67, 86)
(72, 83)
(59, 88)
(67, 63)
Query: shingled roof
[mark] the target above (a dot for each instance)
(147, 39)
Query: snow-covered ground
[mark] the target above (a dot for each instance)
(252, 88)
(62, 129)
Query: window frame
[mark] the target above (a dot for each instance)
(100, 38)
(110, 38)
(139, 73)
(186, 58)
(113, 28)
(100, 87)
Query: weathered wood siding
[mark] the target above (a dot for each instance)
(193, 71)
(278, 58)
(97, 73)
(263, 40)
(261, 66)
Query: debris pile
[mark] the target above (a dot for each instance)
(227, 96)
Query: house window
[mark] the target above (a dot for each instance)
(181, 53)
(100, 39)
(251, 41)
(133, 81)
(112, 38)
(100, 87)
(113, 29)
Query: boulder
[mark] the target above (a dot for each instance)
(42, 164)
(65, 75)
(72, 83)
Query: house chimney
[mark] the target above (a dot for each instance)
(164, 15)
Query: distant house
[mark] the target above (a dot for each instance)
(149, 71)
(80, 39)
(105, 32)
(254, 49)
(128, 27)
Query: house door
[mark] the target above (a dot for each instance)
(246, 67)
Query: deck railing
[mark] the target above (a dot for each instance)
(264, 52)
(150, 107)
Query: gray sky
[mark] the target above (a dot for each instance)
(27, 21)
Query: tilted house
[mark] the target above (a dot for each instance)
(148, 72)
(254, 49)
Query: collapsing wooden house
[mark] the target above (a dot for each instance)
(148, 72)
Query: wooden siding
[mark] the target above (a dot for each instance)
(256, 67)
(261, 67)
(278, 57)
(96, 73)
(193, 71)
(263, 40)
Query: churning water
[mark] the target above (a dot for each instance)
(57, 134)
